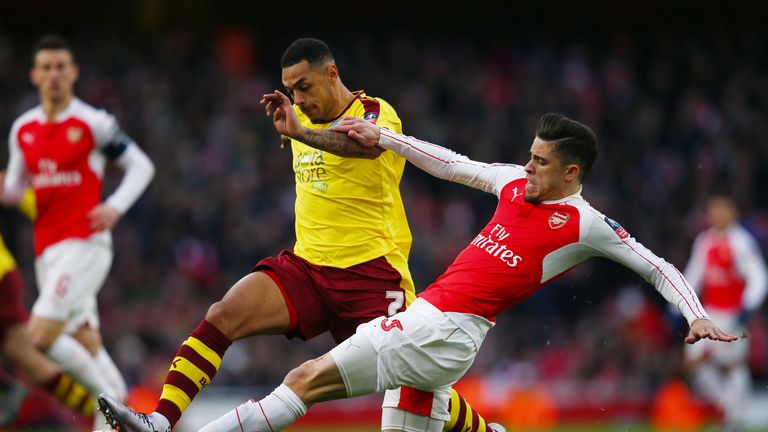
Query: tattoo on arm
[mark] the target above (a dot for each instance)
(338, 143)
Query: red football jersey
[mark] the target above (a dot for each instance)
(64, 160)
(728, 270)
(526, 245)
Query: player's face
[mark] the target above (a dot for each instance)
(721, 213)
(54, 74)
(546, 173)
(311, 88)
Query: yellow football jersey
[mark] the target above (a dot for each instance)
(349, 210)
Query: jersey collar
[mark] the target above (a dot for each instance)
(576, 195)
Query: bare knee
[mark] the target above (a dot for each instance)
(316, 380)
(89, 338)
(43, 333)
(254, 305)
(303, 379)
(220, 315)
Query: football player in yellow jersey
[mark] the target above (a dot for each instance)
(350, 261)
(15, 343)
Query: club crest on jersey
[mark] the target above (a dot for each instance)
(558, 219)
(618, 229)
(74, 134)
(371, 116)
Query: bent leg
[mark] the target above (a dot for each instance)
(68, 353)
(314, 381)
(254, 305)
(44, 373)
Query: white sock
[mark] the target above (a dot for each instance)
(112, 375)
(276, 411)
(738, 384)
(709, 381)
(74, 359)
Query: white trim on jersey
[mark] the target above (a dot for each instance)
(596, 236)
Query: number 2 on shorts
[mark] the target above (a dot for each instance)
(398, 298)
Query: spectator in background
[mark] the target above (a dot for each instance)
(728, 271)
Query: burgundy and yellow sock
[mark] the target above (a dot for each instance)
(71, 393)
(193, 368)
(463, 417)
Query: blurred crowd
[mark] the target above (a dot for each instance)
(679, 116)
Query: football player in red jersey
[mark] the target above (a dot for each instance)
(60, 149)
(728, 271)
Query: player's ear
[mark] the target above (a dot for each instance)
(333, 71)
(572, 172)
(75, 72)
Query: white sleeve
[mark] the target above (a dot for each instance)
(694, 270)
(139, 171)
(15, 182)
(110, 139)
(611, 241)
(449, 165)
(751, 265)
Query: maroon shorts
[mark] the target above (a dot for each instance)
(322, 298)
(12, 309)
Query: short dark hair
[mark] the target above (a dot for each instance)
(312, 50)
(52, 42)
(574, 142)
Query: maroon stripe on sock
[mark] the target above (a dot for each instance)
(169, 410)
(475, 420)
(51, 384)
(69, 389)
(84, 401)
(462, 413)
(208, 334)
(183, 383)
(196, 359)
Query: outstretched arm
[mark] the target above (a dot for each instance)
(608, 239)
(279, 107)
(438, 161)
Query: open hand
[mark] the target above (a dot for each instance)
(280, 108)
(703, 328)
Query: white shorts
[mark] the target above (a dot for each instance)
(69, 275)
(722, 353)
(422, 347)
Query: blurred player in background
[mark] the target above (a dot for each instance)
(727, 269)
(60, 149)
(14, 340)
(350, 261)
(542, 227)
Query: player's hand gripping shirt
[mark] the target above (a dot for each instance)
(727, 269)
(349, 210)
(64, 161)
(526, 245)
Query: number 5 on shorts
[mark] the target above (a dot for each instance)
(398, 298)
